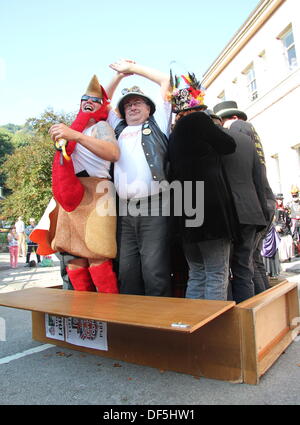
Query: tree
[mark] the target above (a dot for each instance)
(28, 171)
(12, 128)
(43, 123)
(21, 138)
(6, 148)
(28, 176)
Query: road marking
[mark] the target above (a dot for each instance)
(25, 353)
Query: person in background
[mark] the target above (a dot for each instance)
(283, 228)
(270, 252)
(20, 229)
(12, 238)
(294, 211)
(31, 246)
(248, 183)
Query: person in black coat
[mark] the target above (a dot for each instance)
(196, 148)
(248, 183)
(235, 119)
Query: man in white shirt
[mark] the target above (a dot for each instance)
(20, 229)
(141, 128)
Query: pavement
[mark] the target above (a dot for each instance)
(24, 277)
(32, 373)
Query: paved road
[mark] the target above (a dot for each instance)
(56, 376)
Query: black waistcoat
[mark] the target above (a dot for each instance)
(155, 146)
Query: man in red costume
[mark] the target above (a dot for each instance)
(74, 221)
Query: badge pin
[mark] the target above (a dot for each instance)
(146, 131)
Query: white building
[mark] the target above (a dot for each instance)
(259, 69)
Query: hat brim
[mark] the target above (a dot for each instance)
(226, 113)
(120, 105)
(177, 111)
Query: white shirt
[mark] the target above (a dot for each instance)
(132, 175)
(20, 226)
(83, 159)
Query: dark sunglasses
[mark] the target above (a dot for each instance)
(92, 98)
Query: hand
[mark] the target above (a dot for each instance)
(61, 131)
(123, 67)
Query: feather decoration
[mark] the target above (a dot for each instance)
(177, 81)
(171, 80)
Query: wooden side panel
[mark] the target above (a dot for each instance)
(266, 322)
(271, 322)
(248, 347)
(216, 349)
(212, 351)
(293, 309)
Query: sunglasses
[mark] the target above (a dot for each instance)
(92, 98)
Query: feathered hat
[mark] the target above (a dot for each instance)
(186, 93)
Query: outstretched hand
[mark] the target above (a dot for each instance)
(123, 66)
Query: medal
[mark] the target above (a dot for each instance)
(146, 131)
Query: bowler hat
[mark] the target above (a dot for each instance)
(227, 109)
(211, 114)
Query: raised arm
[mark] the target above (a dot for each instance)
(126, 67)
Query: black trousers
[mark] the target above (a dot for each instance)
(143, 260)
(31, 248)
(260, 278)
(242, 264)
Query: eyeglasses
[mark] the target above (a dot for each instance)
(135, 103)
(92, 98)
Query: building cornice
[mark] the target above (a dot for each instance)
(255, 21)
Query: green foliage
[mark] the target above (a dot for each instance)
(21, 138)
(43, 123)
(6, 148)
(12, 128)
(3, 237)
(28, 171)
(28, 174)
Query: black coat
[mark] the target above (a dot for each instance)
(246, 179)
(248, 129)
(196, 148)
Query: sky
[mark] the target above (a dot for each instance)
(50, 49)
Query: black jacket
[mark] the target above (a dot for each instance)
(248, 129)
(196, 147)
(246, 179)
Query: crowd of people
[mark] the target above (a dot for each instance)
(282, 242)
(20, 245)
(157, 189)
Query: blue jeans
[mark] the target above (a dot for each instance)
(208, 269)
